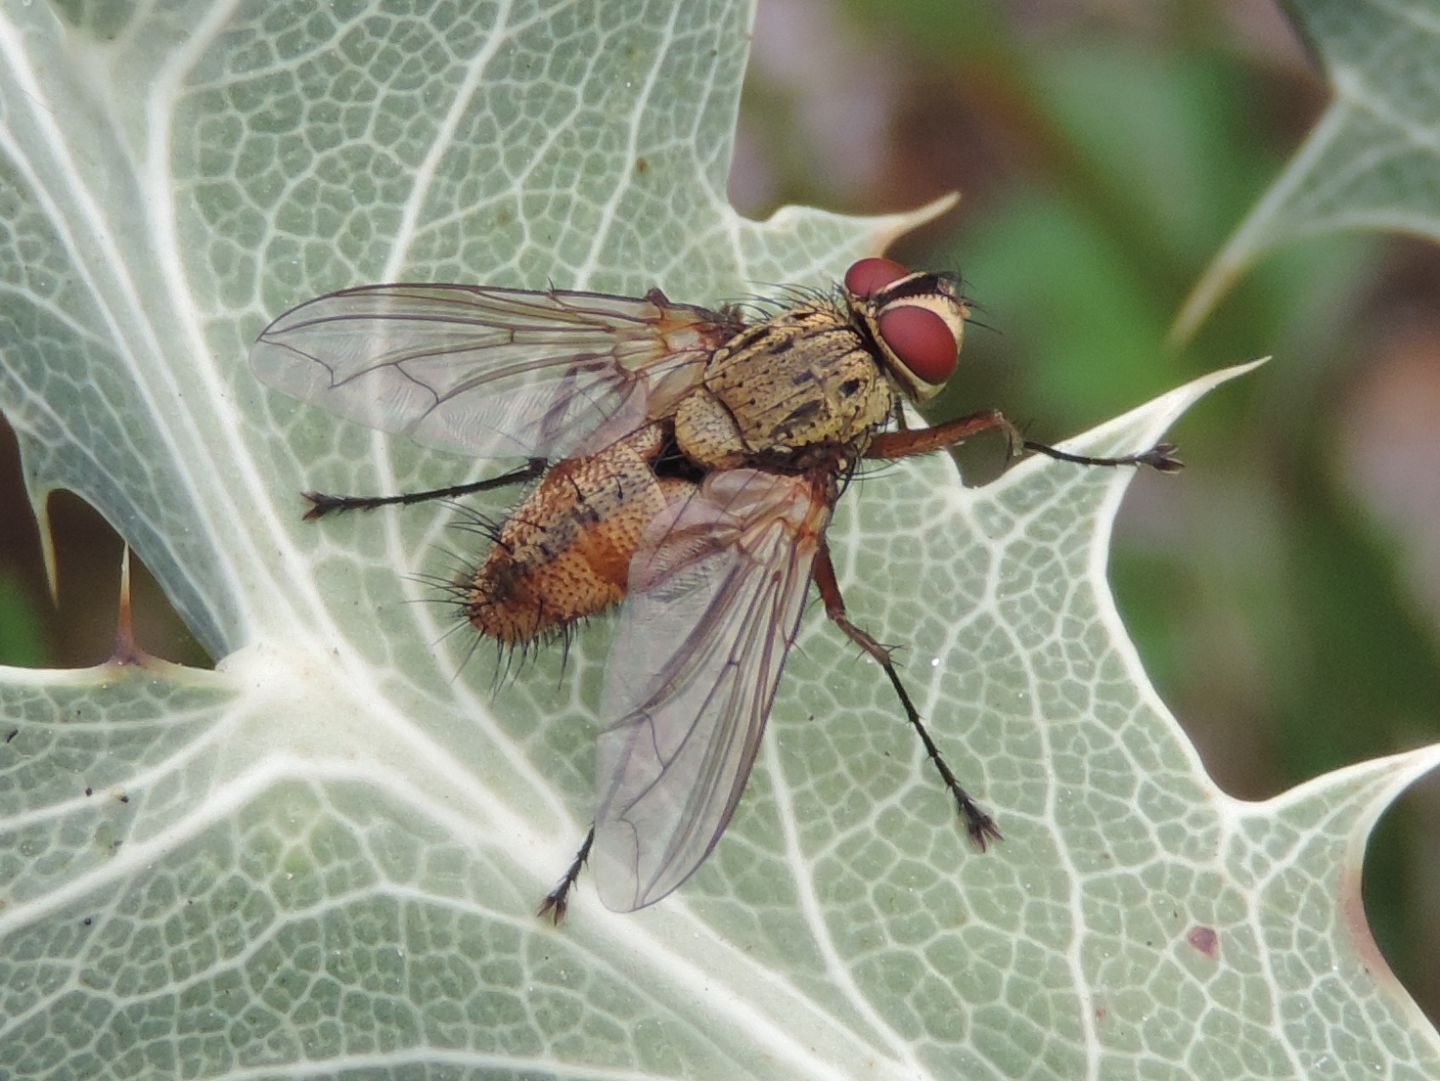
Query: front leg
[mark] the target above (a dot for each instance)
(905, 444)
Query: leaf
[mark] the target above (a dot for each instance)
(1370, 162)
(324, 856)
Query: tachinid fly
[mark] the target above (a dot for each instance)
(688, 461)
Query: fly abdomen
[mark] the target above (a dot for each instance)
(566, 551)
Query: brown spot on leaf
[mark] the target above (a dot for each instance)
(1204, 939)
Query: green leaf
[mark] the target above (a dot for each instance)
(324, 856)
(1371, 161)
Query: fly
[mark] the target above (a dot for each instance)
(687, 462)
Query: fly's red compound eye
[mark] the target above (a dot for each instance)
(870, 275)
(921, 341)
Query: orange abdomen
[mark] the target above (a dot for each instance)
(565, 552)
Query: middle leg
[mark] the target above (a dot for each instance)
(978, 824)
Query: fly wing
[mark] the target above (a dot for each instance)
(714, 604)
(489, 372)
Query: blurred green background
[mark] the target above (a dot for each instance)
(1284, 591)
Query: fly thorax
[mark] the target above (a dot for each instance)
(707, 434)
(803, 379)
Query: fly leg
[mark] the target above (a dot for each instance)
(902, 444)
(558, 899)
(322, 504)
(1160, 457)
(978, 824)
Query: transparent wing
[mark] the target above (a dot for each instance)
(714, 605)
(489, 372)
